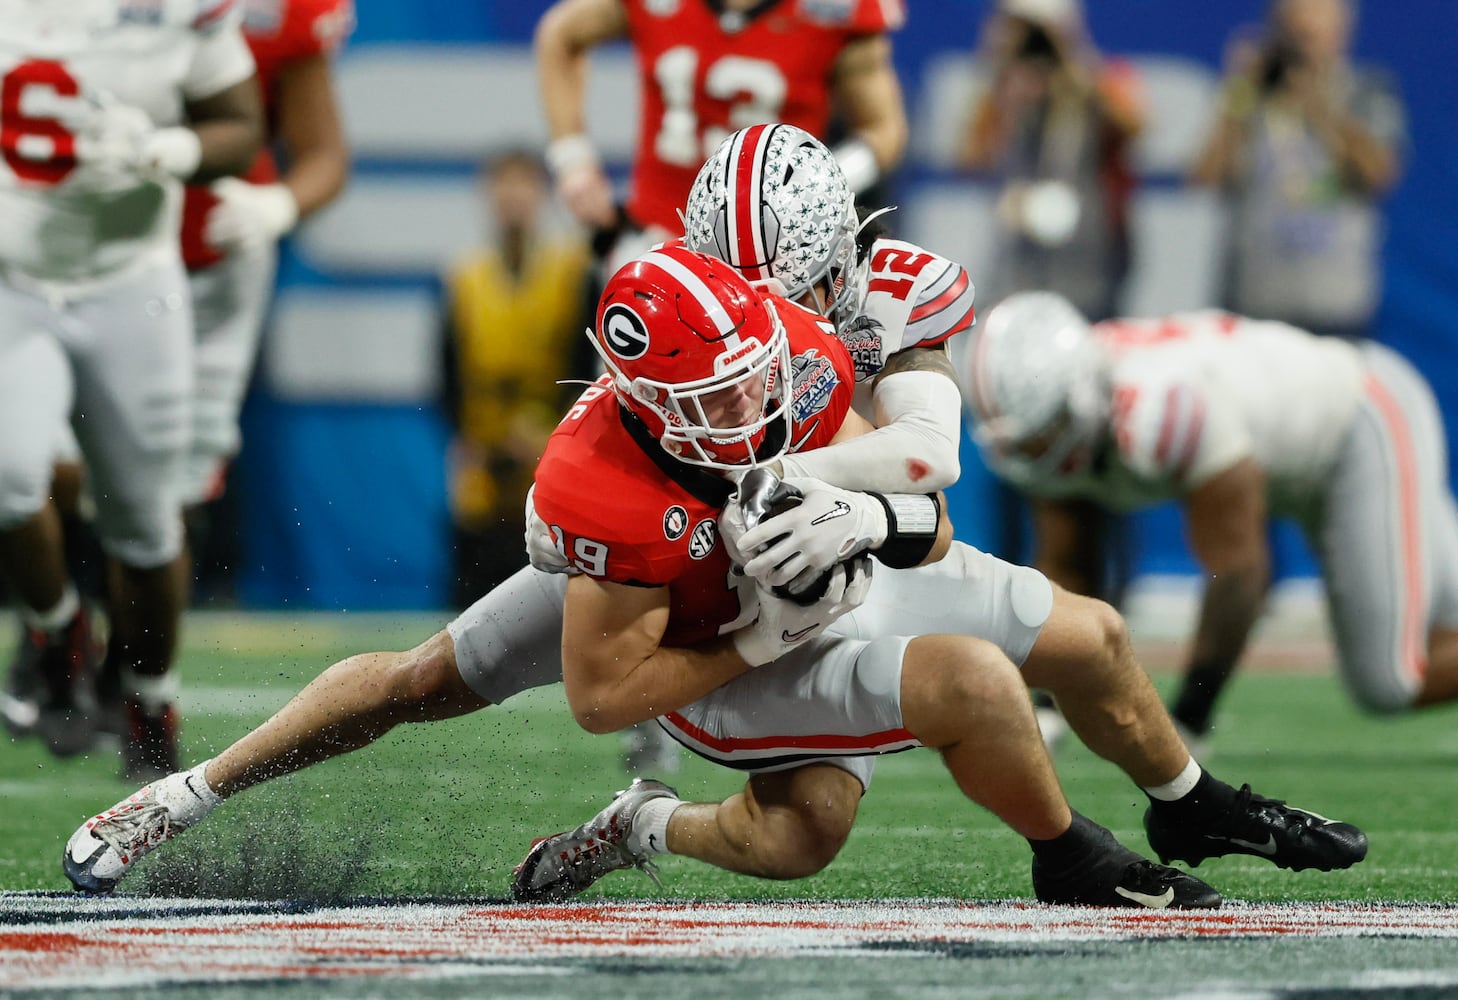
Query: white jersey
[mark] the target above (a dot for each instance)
(1194, 394)
(914, 298)
(61, 60)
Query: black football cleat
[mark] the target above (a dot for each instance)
(1112, 875)
(1263, 828)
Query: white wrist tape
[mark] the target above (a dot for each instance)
(278, 209)
(858, 162)
(176, 150)
(569, 154)
(920, 413)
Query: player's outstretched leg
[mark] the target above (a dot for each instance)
(1253, 824)
(561, 866)
(349, 706)
(108, 844)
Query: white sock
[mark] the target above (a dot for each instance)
(1181, 786)
(650, 826)
(187, 796)
(152, 692)
(56, 618)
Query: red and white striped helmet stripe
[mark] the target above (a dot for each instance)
(695, 286)
(744, 192)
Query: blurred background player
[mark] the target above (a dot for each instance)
(1305, 145)
(229, 233)
(502, 395)
(1055, 127)
(231, 228)
(104, 114)
(707, 69)
(1239, 420)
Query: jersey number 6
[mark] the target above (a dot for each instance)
(37, 148)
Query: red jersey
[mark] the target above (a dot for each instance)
(278, 32)
(703, 74)
(628, 512)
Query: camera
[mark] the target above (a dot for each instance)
(1038, 44)
(1279, 57)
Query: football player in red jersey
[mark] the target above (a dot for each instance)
(659, 623)
(706, 68)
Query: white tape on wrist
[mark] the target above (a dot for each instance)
(278, 209)
(176, 150)
(858, 163)
(570, 153)
(914, 513)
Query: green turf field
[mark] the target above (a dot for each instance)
(449, 808)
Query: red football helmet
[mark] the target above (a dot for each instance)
(698, 356)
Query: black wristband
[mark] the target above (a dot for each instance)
(911, 528)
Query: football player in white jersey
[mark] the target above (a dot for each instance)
(1239, 420)
(107, 107)
(511, 639)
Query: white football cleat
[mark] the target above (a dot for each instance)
(559, 867)
(104, 849)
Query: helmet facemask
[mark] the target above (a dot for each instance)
(721, 421)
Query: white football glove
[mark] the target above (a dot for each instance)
(109, 134)
(118, 137)
(249, 214)
(793, 549)
(783, 625)
(543, 548)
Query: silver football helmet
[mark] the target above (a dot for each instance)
(1037, 386)
(773, 202)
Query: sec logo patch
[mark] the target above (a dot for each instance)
(702, 543)
(675, 523)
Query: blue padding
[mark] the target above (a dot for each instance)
(346, 507)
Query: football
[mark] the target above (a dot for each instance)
(764, 496)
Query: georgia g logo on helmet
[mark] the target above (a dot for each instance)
(624, 332)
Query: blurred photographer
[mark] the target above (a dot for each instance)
(1304, 145)
(1054, 126)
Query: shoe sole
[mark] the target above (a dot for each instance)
(1194, 861)
(80, 875)
(521, 877)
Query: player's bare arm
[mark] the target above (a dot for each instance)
(1226, 522)
(868, 93)
(919, 359)
(229, 126)
(312, 136)
(1067, 553)
(614, 671)
(565, 35)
